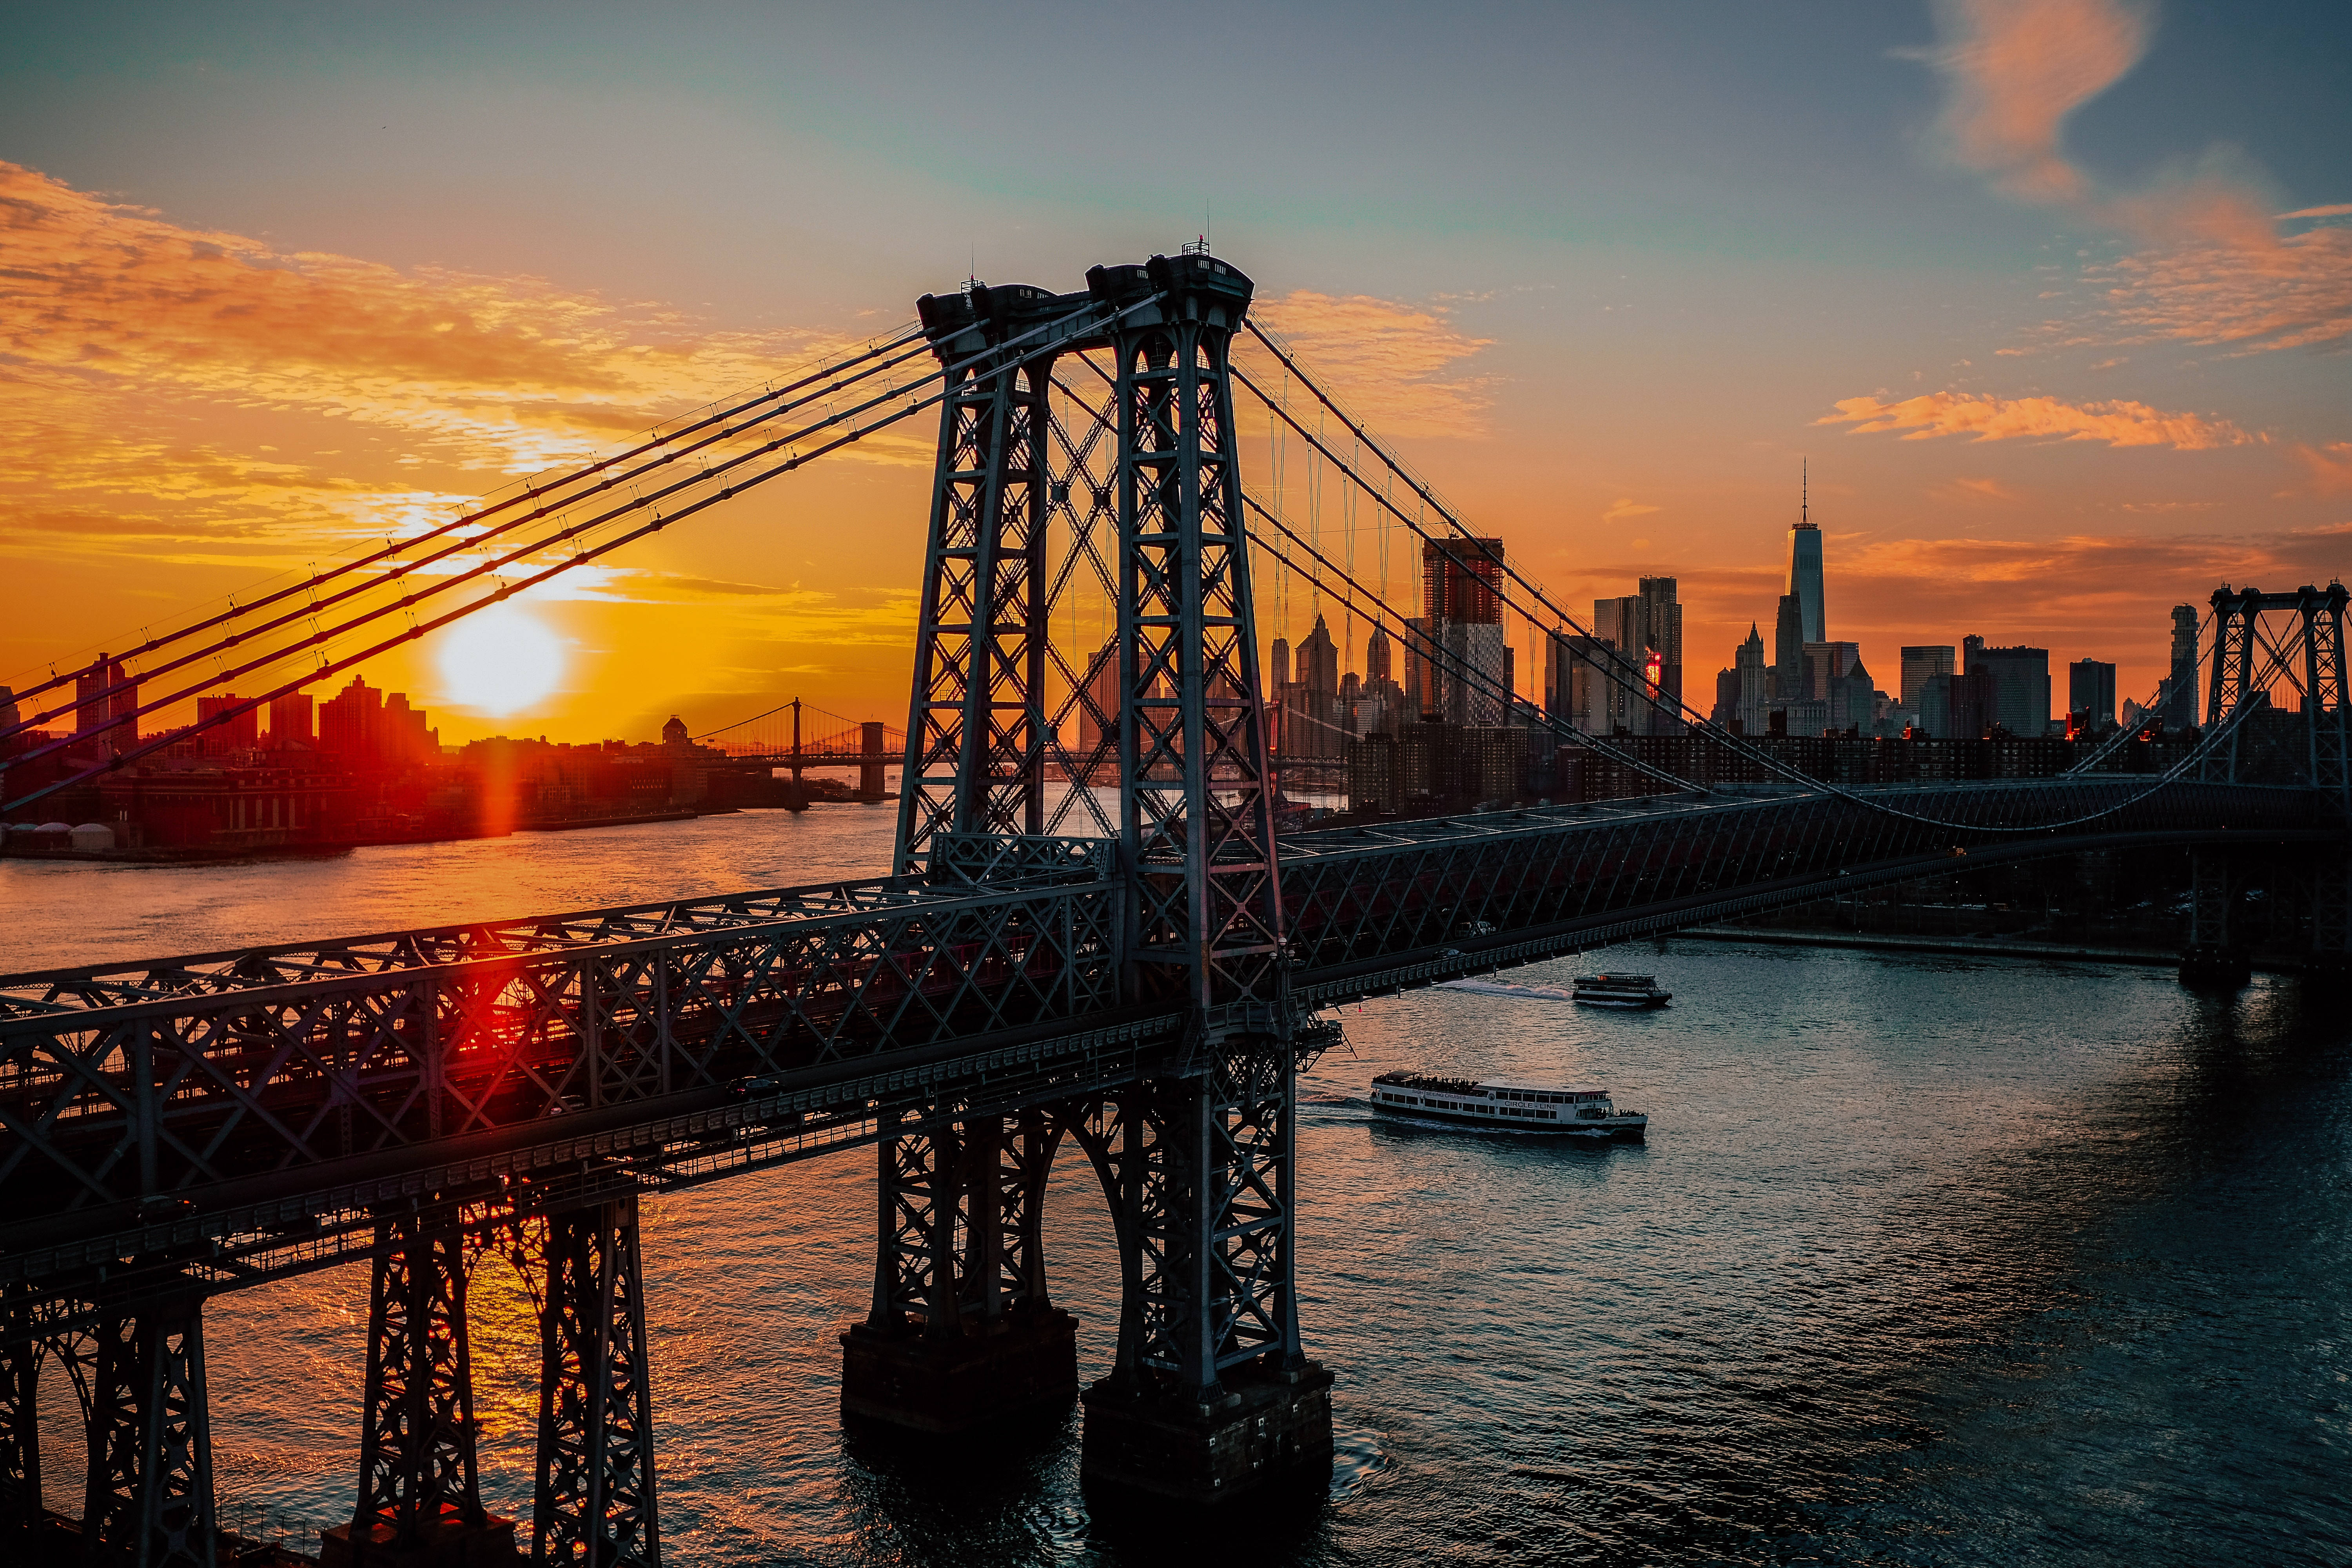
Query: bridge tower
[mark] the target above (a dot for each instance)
(1211, 1392)
(2246, 658)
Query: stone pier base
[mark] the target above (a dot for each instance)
(449, 1545)
(1263, 1435)
(1024, 1363)
(2215, 966)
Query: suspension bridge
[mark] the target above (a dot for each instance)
(1090, 934)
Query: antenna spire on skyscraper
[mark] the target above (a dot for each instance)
(1804, 494)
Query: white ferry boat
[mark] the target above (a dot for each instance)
(1619, 990)
(1587, 1113)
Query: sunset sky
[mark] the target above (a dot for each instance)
(2054, 298)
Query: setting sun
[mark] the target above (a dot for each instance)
(499, 661)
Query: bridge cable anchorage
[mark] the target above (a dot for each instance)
(1698, 722)
(846, 417)
(532, 491)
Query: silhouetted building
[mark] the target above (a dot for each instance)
(2091, 692)
(241, 732)
(1459, 578)
(1099, 711)
(1918, 664)
(2178, 706)
(1805, 573)
(1647, 629)
(1789, 651)
(1376, 658)
(290, 721)
(106, 720)
(1754, 705)
(2020, 678)
(1577, 687)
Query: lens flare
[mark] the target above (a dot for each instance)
(499, 661)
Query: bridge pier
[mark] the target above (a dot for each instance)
(593, 1500)
(21, 1520)
(149, 1496)
(420, 1503)
(962, 1333)
(1212, 1398)
(2216, 954)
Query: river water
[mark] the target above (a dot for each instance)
(1926, 1260)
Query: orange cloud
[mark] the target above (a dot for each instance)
(1986, 418)
(1625, 507)
(507, 373)
(2330, 465)
(2015, 70)
(1396, 366)
(2217, 270)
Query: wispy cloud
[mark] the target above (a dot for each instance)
(2213, 266)
(1398, 366)
(1986, 418)
(1625, 507)
(509, 374)
(2330, 465)
(2014, 70)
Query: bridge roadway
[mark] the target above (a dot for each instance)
(240, 1116)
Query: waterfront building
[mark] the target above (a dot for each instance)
(2091, 693)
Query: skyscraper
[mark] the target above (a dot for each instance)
(1918, 664)
(2180, 707)
(1805, 570)
(2090, 690)
(1646, 629)
(2020, 678)
(1458, 578)
(1376, 655)
(1755, 709)
(1577, 687)
(1467, 675)
(1789, 652)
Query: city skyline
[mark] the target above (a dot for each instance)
(2061, 348)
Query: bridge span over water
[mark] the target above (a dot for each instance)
(1134, 967)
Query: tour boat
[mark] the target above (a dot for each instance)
(1586, 1113)
(1619, 990)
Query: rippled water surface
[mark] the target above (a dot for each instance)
(1926, 1260)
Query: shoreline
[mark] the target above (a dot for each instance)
(1970, 947)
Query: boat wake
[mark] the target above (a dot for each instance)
(1504, 989)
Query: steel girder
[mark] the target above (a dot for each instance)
(114, 1104)
(977, 729)
(1200, 1169)
(962, 1213)
(180, 978)
(20, 1441)
(149, 1496)
(417, 1465)
(593, 1503)
(1357, 896)
(1195, 787)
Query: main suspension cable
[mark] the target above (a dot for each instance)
(541, 492)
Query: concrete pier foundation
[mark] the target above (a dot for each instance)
(1257, 1436)
(449, 1545)
(1024, 1362)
